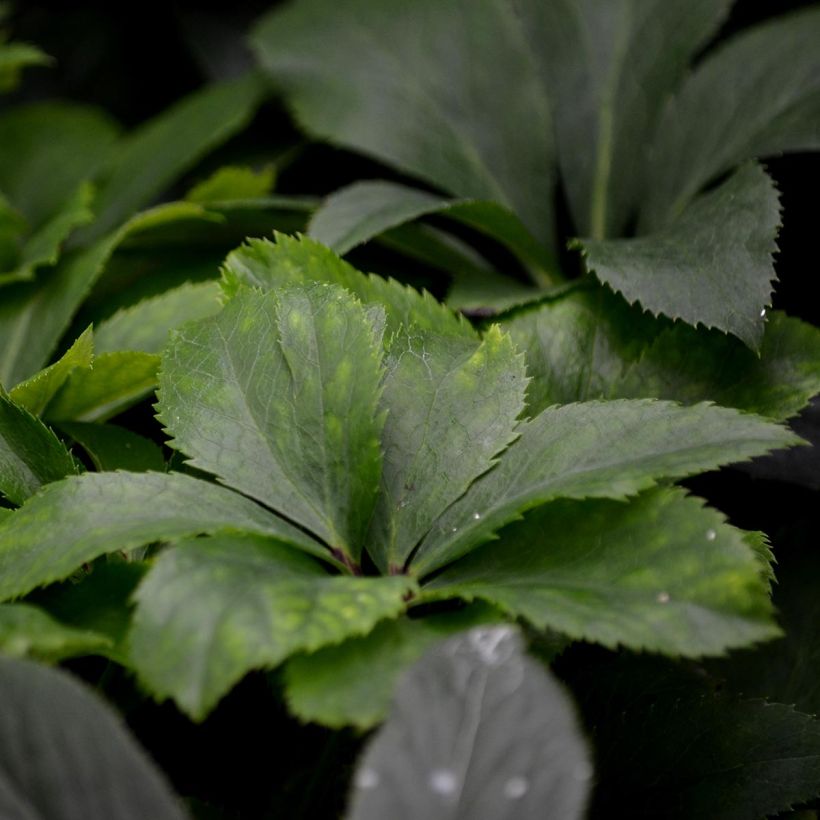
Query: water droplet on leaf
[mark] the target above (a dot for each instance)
(367, 779)
(443, 781)
(663, 598)
(516, 787)
(711, 535)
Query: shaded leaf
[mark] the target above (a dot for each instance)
(14, 57)
(115, 448)
(212, 609)
(477, 730)
(233, 182)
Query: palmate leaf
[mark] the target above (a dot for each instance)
(211, 609)
(65, 754)
(609, 449)
(452, 407)
(477, 730)
(424, 87)
(74, 521)
(608, 66)
(278, 396)
(712, 265)
(662, 573)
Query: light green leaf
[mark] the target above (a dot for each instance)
(711, 266)
(365, 210)
(212, 609)
(661, 573)
(154, 155)
(30, 454)
(14, 57)
(451, 407)
(74, 521)
(755, 96)
(299, 261)
(610, 449)
(27, 631)
(608, 66)
(278, 397)
(115, 448)
(36, 392)
(477, 730)
(424, 87)
(233, 182)
(352, 683)
(64, 753)
(146, 325)
(111, 384)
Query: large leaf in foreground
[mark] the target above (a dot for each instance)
(662, 573)
(609, 449)
(64, 754)
(278, 395)
(214, 608)
(711, 266)
(76, 520)
(477, 730)
(424, 86)
(430, 460)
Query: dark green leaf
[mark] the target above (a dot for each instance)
(212, 609)
(115, 448)
(64, 754)
(480, 731)
(662, 573)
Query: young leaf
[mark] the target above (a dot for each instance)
(111, 384)
(712, 265)
(146, 325)
(608, 66)
(36, 392)
(662, 573)
(299, 261)
(115, 448)
(596, 450)
(429, 459)
(26, 630)
(212, 609)
(352, 683)
(233, 182)
(477, 730)
(424, 87)
(755, 96)
(30, 454)
(75, 521)
(278, 396)
(65, 754)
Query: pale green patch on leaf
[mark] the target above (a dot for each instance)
(662, 573)
(452, 406)
(233, 182)
(352, 683)
(711, 266)
(609, 449)
(30, 454)
(74, 521)
(115, 448)
(212, 609)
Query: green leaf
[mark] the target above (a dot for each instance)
(74, 521)
(278, 397)
(115, 448)
(153, 156)
(477, 730)
(364, 210)
(299, 261)
(711, 266)
(14, 57)
(662, 573)
(755, 96)
(146, 325)
(26, 630)
(233, 182)
(609, 65)
(212, 609)
(36, 392)
(352, 683)
(109, 385)
(65, 754)
(30, 454)
(610, 449)
(451, 407)
(425, 88)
